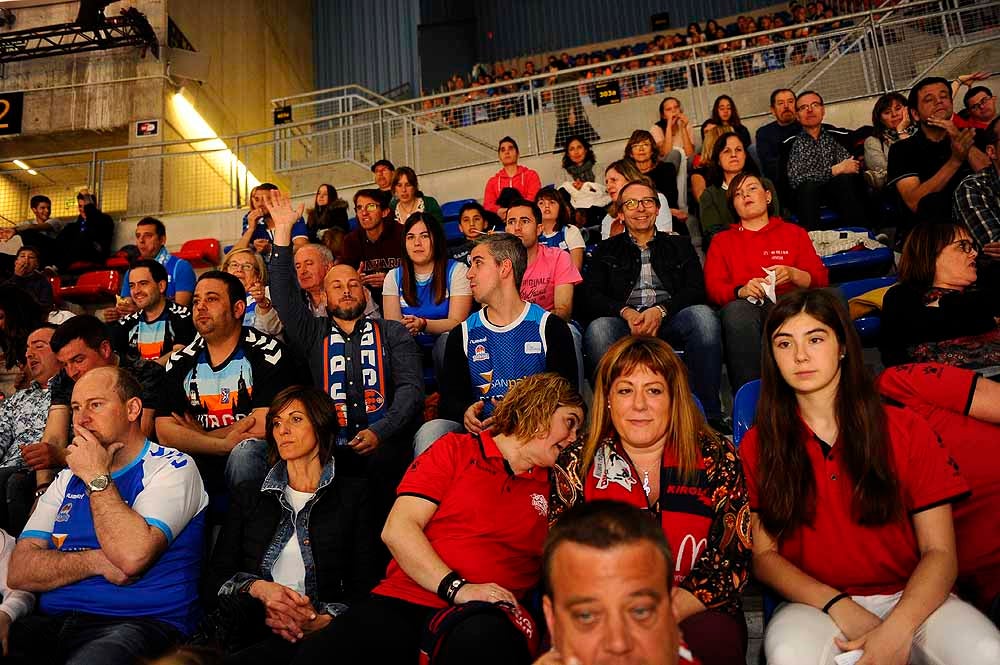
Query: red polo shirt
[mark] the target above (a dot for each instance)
(836, 550)
(942, 395)
(490, 524)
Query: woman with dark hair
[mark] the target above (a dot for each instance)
(428, 292)
(852, 499)
(328, 214)
(571, 117)
(891, 123)
(642, 151)
(298, 550)
(730, 157)
(648, 445)
(466, 535)
(408, 197)
(938, 311)
(737, 266)
(724, 113)
(587, 196)
(557, 228)
(672, 132)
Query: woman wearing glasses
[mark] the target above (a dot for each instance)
(249, 267)
(938, 311)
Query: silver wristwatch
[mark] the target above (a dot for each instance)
(99, 484)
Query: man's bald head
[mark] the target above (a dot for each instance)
(346, 296)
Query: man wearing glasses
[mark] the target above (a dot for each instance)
(821, 170)
(645, 282)
(977, 199)
(980, 108)
(375, 247)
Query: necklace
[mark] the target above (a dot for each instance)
(645, 483)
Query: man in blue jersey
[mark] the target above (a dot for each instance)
(151, 241)
(505, 341)
(158, 327)
(114, 546)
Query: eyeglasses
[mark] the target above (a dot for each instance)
(241, 267)
(965, 246)
(632, 204)
(810, 107)
(368, 207)
(981, 104)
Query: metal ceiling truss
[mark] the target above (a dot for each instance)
(129, 29)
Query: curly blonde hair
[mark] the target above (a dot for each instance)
(528, 406)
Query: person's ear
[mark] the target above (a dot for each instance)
(239, 309)
(133, 409)
(550, 615)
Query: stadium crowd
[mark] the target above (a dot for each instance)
(363, 442)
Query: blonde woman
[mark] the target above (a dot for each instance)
(249, 267)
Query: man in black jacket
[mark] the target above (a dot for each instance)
(644, 282)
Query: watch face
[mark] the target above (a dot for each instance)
(99, 483)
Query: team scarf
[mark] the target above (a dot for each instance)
(373, 378)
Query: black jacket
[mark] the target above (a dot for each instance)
(614, 270)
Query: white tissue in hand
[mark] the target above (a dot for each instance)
(769, 285)
(848, 657)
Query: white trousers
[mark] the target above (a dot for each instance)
(954, 634)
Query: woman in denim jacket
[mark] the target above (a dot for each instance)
(295, 552)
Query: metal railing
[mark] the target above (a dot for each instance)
(869, 53)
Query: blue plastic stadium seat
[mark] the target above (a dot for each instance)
(862, 263)
(352, 223)
(744, 409)
(452, 233)
(451, 209)
(868, 327)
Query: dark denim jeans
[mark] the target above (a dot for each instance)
(694, 329)
(77, 638)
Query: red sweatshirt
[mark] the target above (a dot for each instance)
(737, 255)
(525, 181)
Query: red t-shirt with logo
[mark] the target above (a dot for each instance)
(490, 525)
(835, 549)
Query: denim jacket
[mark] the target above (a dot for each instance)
(349, 558)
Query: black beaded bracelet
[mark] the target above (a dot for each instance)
(449, 586)
(833, 601)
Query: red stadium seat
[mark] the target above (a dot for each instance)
(78, 267)
(117, 261)
(92, 287)
(201, 253)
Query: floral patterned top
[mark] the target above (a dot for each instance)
(706, 518)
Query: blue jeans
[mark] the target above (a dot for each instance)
(433, 430)
(77, 638)
(247, 462)
(694, 329)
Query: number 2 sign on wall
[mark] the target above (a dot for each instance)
(11, 112)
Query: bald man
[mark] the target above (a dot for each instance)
(370, 367)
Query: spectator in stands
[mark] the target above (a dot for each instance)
(891, 122)
(220, 386)
(376, 246)
(730, 157)
(88, 239)
(977, 198)
(22, 422)
(724, 113)
(81, 344)
(41, 231)
(965, 414)
(472, 224)
(641, 149)
(672, 133)
(980, 108)
(159, 326)
(821, 171)
(408, 197)
(27, 277)
(511, 174)
(371, 368)
(648, 446)
(636, 578)
(258, 227)
(383, 170)
(311, 263)
(927, 168)
(20, 314)
(249, 268)
(616, 176)
(456, 580)
(117, 576)
(505, 341)
(735, 271)
(884, 484)
(586, 195)
(771, 136)
(645, 282)
(328, 215)
(571, 117)
(428, 293)
(296, 552)
(704, 166)
(550, 274)
(16, 603)
(937, 311)
(557, 229)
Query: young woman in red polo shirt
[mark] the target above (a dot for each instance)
(648, 446)
(852, 507)
(466, 535)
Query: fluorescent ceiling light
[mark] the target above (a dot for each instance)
(21, 165)
(192, 126)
